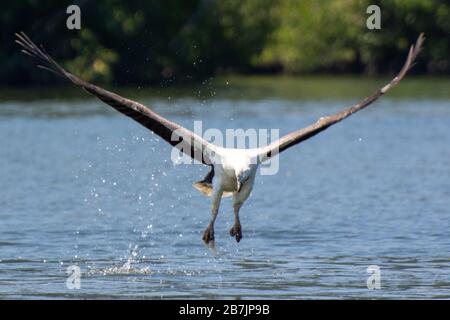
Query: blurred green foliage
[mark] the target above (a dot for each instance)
(325, 35)
(154, 41)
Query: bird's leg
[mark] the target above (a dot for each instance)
(236, 230)
(208, 235)
(238, 200)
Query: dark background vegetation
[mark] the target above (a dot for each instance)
(173, 41)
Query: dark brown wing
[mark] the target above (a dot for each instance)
(178, 136)
(323, 123)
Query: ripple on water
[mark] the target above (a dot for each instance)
(368, 192)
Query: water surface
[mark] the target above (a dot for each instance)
(83, 185)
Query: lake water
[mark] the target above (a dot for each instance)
(83, 185)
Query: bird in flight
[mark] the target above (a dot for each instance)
(232, 171)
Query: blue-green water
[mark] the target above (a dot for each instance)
(83, 185)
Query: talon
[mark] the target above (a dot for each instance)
(236, 231)
(208, 235)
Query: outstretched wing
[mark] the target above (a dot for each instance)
(323, 123)
(176, 135)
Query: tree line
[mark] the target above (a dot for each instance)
(149, 42)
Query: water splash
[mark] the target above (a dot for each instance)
(126, 268)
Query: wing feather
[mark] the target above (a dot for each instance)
(323, 123)
(176, 135)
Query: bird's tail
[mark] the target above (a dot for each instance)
(205, 186)
(207, 189)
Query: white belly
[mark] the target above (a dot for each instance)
(235, 164)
